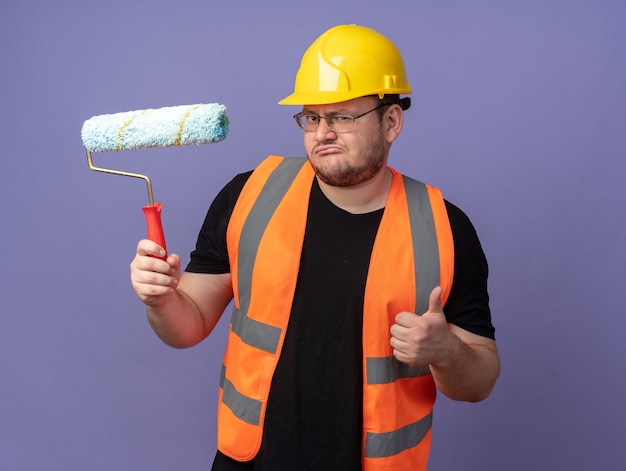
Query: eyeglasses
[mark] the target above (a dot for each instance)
(309, 122)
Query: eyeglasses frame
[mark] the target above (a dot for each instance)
(297, 117)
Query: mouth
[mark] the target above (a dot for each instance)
(327, 150)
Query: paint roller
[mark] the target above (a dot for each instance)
(163, 127)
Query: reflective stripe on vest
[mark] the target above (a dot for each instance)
(247, 409)
(382, 445)
(427, 239)
(425, 247)
(386, 370)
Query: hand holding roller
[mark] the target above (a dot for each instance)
(163, 127)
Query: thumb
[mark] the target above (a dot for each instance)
(434, 301)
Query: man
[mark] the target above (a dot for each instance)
(358, 291)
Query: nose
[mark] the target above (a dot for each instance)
(321, 134)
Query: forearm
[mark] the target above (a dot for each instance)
(182, 310)
(469, 369)
(178, 321)
(188, 314)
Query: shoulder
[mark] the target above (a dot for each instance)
(210, 254)
(468, 251)
(463, 231)
(232, 189)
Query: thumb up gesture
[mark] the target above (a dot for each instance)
(421, 340)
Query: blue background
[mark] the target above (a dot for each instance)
(518, 116)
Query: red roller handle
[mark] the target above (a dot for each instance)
(155, 228)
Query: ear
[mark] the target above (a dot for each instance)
(392, 121)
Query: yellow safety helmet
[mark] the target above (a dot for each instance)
(346, 62)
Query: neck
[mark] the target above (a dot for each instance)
(363, 198)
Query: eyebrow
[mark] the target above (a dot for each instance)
(338, 112)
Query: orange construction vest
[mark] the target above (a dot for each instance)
(413, 252)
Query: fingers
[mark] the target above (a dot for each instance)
(149, 248)
(151, 277)
(406, 342)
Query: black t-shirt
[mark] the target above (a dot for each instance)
(313, 419)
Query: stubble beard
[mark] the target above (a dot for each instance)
(347, 174)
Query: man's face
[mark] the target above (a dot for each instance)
(347, 159)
